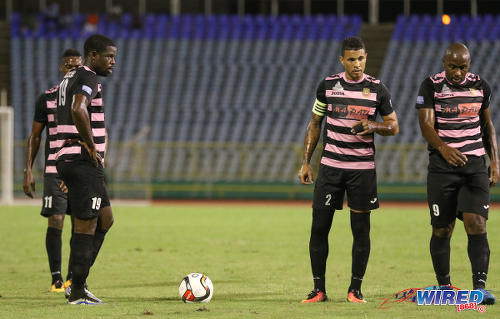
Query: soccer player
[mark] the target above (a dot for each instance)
(81, 137)
(454, 116)
(350, 101)
(54, 201)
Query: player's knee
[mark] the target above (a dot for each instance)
(475, 225)
(360, 224)
(443, 232)
(319, 231)
(82, 226)
(321, 224)
(106, 219)
(109, 222)
(56, 221)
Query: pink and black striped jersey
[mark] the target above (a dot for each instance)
(457, 109)
(80, 81)
(344, 103)
(45, 112)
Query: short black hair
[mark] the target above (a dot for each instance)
(98, 43)
(352, 43)
(71, 52)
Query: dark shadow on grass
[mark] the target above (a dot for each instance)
(144, 284)
(32, 298)
(240, 297)
(157, 284)
(142, 299)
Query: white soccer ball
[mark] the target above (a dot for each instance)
(196, 287)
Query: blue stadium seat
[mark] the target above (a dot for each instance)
(252, 82)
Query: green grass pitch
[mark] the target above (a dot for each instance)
(256, 255)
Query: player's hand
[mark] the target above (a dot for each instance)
(94, 155)
(367, 127)
(494, 172)
(63, 187)
(28, 183)
(453, 156)
(305, 174)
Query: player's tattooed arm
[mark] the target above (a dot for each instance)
(31, 150)
(451, 155)
(311, 140)
(81, 119)
(388, 127)
(490, 144)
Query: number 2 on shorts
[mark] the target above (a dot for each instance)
(328, 199)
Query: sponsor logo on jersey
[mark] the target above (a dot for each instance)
(446, 92)
(469, 109)
(358, 112)
(450, 109)
(475, 92)
(338, 87)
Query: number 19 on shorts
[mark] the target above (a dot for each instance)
(96, 203)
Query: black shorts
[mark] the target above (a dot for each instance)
(453, 191)
(54, 201)
(87, 192)
(332, 183)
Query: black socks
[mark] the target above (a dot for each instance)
(440, 253)
(53, 245)
(360, 226)
(479, 255)
(98, 239)
(318, 245)
(81, 256)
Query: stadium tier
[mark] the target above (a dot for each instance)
(219, 98)
(415, 52)
(207, 99)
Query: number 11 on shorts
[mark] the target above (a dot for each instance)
(96, 203)
(48, 201)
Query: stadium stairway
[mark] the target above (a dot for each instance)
(377, 39)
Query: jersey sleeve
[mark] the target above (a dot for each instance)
(41, 109)
(486, 96)
(385, 105)
(87, 85)
(425, 98)
(320, 105)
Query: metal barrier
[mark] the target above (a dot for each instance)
(139, 168)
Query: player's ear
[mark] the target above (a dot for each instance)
(341, 59)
